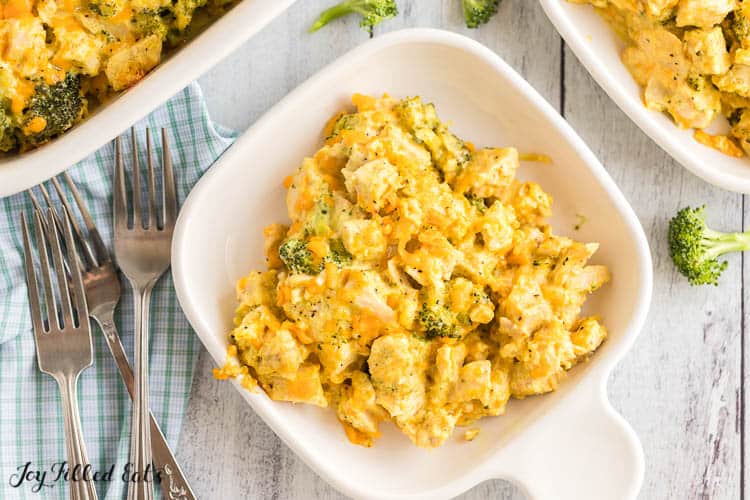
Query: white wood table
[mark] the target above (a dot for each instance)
(681, 387)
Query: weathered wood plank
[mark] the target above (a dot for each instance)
(679, 386)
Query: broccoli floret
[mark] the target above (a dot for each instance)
(740, 26)
(423, 122)
(735, 116)
(337, 252)
(8, 139)
(297, 257)
(150, 22)
(372, 12)
(318, 223)
(437, 321)
(479, 203)
(695, 248)
(183, 11)
(105, 8)
(417, 116)
(345, 122)
(478, 12)
(53, 109)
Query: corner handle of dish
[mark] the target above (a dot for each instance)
(584, 450)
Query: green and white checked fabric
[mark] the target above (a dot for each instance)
(31, 426)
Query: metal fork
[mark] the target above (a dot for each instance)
(102, 287)
(142, 251)
(62, 335)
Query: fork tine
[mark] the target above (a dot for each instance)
(91, 260)
(153, 221)
(34, 200)
(102, 254)
(31, 284)
(37, 205)
(49, 296)
(79, 293)
(48, 201)
(57, 260)
(137, 213)
(120, 203)
(170, 193)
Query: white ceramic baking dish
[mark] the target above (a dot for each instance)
(598, 47)
(181, 67)
(567, 445)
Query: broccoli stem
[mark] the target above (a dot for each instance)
(718, 243)
(330, 14)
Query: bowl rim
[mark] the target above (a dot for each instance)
(598, 378)
(174, 72)
(666, 138)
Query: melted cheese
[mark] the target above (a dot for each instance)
(111, 44)
(426, 289)
(692, 58)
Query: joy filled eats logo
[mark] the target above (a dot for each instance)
(61, 472)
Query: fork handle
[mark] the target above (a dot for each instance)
(173, 483)
(81, 488)
(141, 486)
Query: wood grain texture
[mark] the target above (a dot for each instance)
(680, 387)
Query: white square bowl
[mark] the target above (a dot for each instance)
(566, 445)
(598, 48)
(176, 71)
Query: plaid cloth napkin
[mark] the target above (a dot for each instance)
(31, 424)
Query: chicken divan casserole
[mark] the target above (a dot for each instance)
(57, 56)
(692, 58)
(418, 282)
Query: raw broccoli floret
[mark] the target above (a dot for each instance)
(695, 248)
(372, 12)
(478, 12)
(53, 109)
(297, 257)
(337, 252)
(437, 321)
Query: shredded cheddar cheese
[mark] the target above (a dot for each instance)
(419, 282)
(57, 57)
(692, 58)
